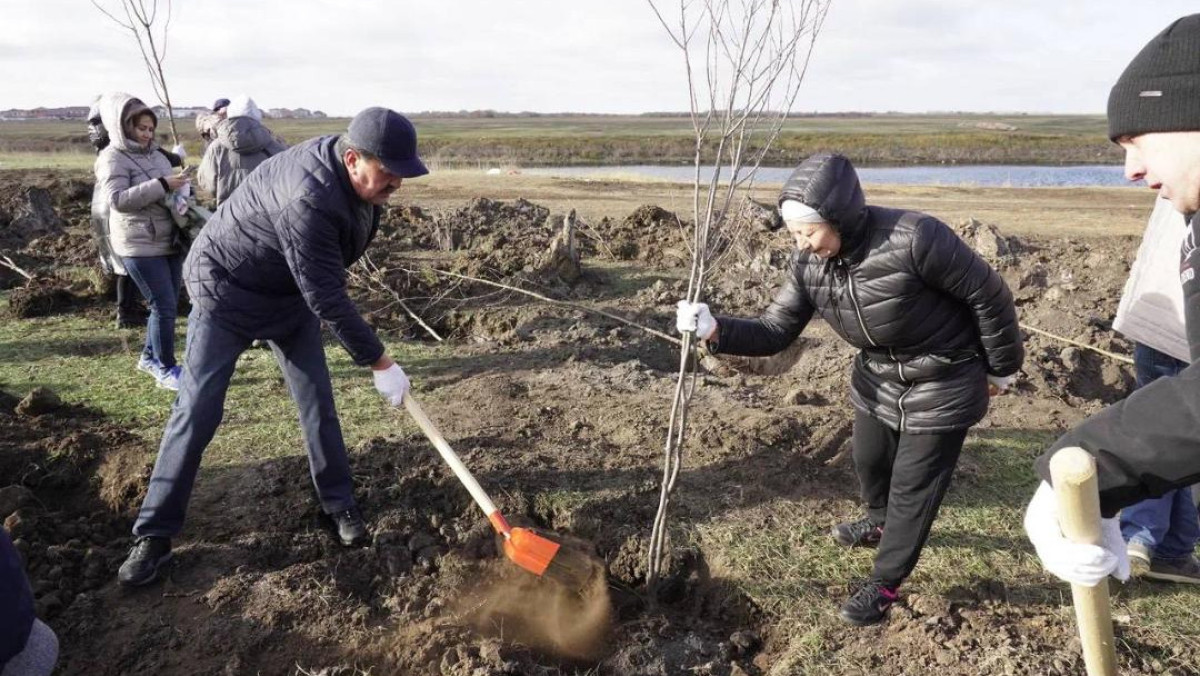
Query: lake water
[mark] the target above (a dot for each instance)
(1003, 176)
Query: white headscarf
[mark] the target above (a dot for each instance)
(794, 211)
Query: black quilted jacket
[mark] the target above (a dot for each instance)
(930, 316)
(281, 245)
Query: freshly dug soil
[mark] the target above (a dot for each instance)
(559, 412)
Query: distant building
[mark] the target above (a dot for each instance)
(180, 111)
(65, 113)
(294, 113)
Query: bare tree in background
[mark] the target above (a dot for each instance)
(140, 19)
(745, 60)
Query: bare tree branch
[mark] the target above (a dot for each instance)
(8, 263)
(140, 19)
(754, 56)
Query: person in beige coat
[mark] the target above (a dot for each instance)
(138, 182)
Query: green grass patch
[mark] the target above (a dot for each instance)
(89, 362)
(781, 555)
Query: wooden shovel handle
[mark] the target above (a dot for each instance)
(1073, 472)
(439, 442)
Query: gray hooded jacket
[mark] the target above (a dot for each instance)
(127, 175)
(241, 144)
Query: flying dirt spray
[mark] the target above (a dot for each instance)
(524, 609)
(565, 607)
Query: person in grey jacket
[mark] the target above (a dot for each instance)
(271, 265)
(137, 181)
(938, 333)
(240, 143)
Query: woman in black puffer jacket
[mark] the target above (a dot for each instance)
(938, 334)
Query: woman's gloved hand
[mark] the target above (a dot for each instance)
(1000, 384)
(695, 317)
(1076, 563)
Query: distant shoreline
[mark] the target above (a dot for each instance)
(883, 140)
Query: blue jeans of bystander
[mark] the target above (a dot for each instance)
(159, 278)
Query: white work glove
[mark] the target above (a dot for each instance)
(1076, 563)
(694, 317)
(180, 151)
(1001, 383)
(392, 384)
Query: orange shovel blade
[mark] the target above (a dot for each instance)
(530, 550)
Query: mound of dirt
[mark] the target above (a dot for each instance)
(75, 480)
(650, 235)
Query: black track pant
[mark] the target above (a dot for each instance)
(903, 479)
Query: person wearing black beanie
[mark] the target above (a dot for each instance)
(1148, 443)
(1154, 113)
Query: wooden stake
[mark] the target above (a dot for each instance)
(1073, 473)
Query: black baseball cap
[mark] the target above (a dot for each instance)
(389, 136)
(219, 104)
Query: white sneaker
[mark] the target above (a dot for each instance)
(168, 378)
(149, 365)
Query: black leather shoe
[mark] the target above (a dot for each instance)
(869, 605)
(861, 533)
(144, 561)
(351, 529)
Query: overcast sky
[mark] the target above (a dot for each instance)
(339, 56)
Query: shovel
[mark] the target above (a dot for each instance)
(537, 554)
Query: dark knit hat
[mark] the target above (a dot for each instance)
(1160, 89)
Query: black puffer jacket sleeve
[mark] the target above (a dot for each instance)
(945, 262)
(309, 241)
(778, 326)
(1145, 445)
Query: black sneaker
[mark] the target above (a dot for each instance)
(146, 556)
(861, 533)
(351, 529)
(1183, 569)
(869, 604)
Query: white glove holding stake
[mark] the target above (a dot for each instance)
(1076, 563)
(1001, 383)
(695, 317)
(180, 151)
(392, 384)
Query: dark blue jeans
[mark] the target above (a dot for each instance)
(211, 353)
(159, 278)
(1167, 525)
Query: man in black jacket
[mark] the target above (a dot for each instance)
(936, 327)
(271, 265)
(1148, 443)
